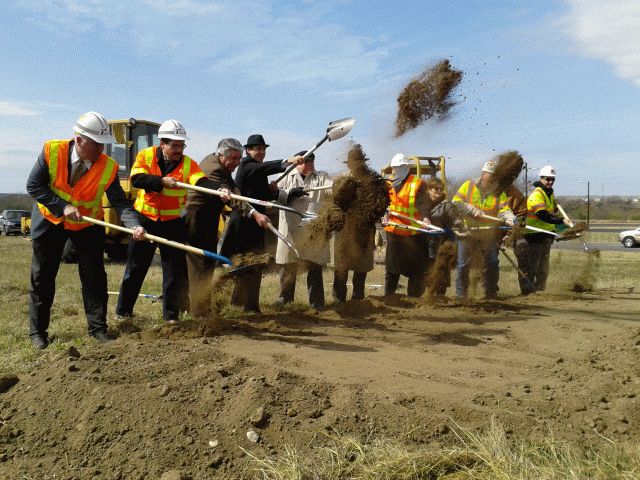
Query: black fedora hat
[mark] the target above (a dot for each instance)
(255, 139)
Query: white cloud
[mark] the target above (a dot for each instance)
(608, 31)
(271, 43)
(17, 109)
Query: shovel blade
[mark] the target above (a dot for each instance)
(339, 128)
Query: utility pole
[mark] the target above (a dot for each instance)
(588, 198)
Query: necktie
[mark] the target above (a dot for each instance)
(77, 171)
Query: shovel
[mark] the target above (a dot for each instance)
(573, 224)
(528, 227)
(402, 226)
(264, 203)
(336, 129)
(275, 231)
(164, 241)
(417, 222)
(515, 265)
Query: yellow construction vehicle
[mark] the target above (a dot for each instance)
(131, 136)
(423, 166)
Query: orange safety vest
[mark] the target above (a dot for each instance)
(170, 203)
(86, 195)
(404, 202)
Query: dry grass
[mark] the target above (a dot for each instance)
(489, 455)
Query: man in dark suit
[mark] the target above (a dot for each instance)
(68, 182)
(245, 235)
(203, 219)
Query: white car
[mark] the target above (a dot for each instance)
(630, 238)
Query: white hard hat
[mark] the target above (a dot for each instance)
(398, 160)
(173, 130)
(489, 167)
(94, 126)
(547, 171)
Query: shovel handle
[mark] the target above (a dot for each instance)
(309, 152)
(564, 214)
(164, 241)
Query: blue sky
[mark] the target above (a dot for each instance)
(557, 80)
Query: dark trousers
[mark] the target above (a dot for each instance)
(415, 288)
(175, 282)
(521, 250)
(538, 271)
(45, 262)
(315, 285)
(340, 278)
(246, 291)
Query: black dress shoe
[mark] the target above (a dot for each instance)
(39, 341)
(102, 337)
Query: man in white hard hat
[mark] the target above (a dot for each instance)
(203, 221)
(68, 182)
(161, 204)
(407, 251)
(541, 213)
(313, 255)
(483, 196)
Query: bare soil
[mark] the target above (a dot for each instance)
(179, 401)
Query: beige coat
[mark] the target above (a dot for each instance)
(290, 224)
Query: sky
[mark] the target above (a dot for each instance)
(557, 80)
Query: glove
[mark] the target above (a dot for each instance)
(296, 192)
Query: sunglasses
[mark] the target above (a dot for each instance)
(549, 179)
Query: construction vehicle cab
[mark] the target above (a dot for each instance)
(433, 167)
(131, 137)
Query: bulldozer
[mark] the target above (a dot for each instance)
(431, 166)
(131, 136)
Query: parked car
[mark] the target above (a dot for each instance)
(630, 238)
(10, 222)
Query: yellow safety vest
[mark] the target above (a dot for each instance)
(539, 200)
(490, 205)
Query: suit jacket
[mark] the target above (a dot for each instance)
(39, 187)
(244, 234)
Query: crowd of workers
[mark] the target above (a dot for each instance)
(71, 176)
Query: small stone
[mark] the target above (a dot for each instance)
(291, 412)
(164, 390)
(214, 443)
(253, 436)
(73, 367)
(259, 417)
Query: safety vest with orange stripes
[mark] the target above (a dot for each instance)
(86, 194)
(170, 203)
(404, 202)
(539, 200)
(491, 205)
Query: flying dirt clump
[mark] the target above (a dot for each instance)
(440, 272)
(362, 194)
(427, 96)
(508, 166)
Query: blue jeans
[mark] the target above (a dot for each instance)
(477, 250)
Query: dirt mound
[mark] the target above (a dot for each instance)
(187, 397)
(427, 96)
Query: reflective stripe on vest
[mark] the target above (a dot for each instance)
(539, 200)
(404, 202)
(170, 203)
(490, 205)
(87, 194)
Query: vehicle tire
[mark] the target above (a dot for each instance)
(69, 254)
(629, 242)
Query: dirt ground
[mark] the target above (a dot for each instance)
(179, 402)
